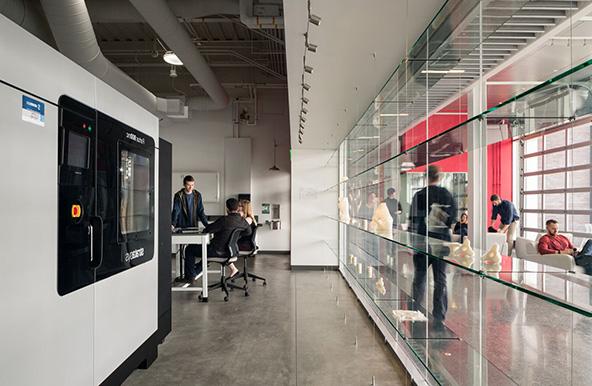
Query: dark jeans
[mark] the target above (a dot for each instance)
(191, 253)
(584, 258)
(419, 284)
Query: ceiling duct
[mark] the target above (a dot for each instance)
(75, 38)
(161, 18)
(118, 11)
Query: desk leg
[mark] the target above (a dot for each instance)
(204, 270)
(180, 277)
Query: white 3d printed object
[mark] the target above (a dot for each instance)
(409, 316)
(382, 222)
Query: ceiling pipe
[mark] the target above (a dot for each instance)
(118, 11)
(28, 15)
(75, 38)
(161, 18)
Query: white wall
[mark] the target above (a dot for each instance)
(314, 235)
(198, 144)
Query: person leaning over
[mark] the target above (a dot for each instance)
(509, 219)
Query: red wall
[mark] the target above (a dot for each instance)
(499, 155)
(499, 171)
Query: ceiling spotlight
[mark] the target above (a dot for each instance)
(300, 132)
(303, 119)
(308, 69)
(304, 111)
(171, 58)
(306, 86)
(311, 47)
(305, 100)
(314, 19)
(300, 141)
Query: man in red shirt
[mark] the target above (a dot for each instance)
(553, 243)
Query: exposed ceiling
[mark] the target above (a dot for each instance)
(239, 55)
(359, 45)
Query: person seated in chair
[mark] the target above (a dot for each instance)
(554, 243)
(462, 227)
(246, 211)
(222, 230)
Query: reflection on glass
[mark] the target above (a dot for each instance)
(134, 205)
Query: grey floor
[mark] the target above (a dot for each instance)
(303, 328)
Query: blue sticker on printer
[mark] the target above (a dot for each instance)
(33, 111)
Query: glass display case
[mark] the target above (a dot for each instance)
(494, 98)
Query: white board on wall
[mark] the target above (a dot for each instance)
(207, 183)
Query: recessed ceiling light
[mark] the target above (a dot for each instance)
(304, 111)
(306, 86)
(308, 69)
(171, 58)
(311, 47)
(305, 100)
(303, 119)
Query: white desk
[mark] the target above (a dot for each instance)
(194, 238)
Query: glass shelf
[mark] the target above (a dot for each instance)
(511, 271)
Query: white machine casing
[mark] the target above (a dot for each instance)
(47, 339)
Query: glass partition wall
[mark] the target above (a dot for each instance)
(494, 98)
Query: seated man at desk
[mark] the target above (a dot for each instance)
(188, 210)
(222, 230)
(554, 243)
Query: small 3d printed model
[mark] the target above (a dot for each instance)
(380, 286)
(382, 222)
(453, 246)
(409, 316)
(465, 254)
(493, 256)
(343, 206)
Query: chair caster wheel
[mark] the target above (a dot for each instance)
(264, 283)
(202, 299)
(225, 298)
(246, 294)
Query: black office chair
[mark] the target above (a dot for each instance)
(245, 255)
(224, 261)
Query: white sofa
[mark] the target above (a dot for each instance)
(528, 250)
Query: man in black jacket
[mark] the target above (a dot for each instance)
(222, 230)
(432, 213)
(188, 207)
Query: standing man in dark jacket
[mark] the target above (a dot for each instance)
(188, 209)
(509, 219)
(393, 205)
(432, 213)
(188, 206)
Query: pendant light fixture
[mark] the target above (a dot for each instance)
(274, 167)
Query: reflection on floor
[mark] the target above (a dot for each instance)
(303, 328)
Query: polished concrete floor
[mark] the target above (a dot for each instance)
(303, 328)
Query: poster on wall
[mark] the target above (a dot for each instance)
(265, 208)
